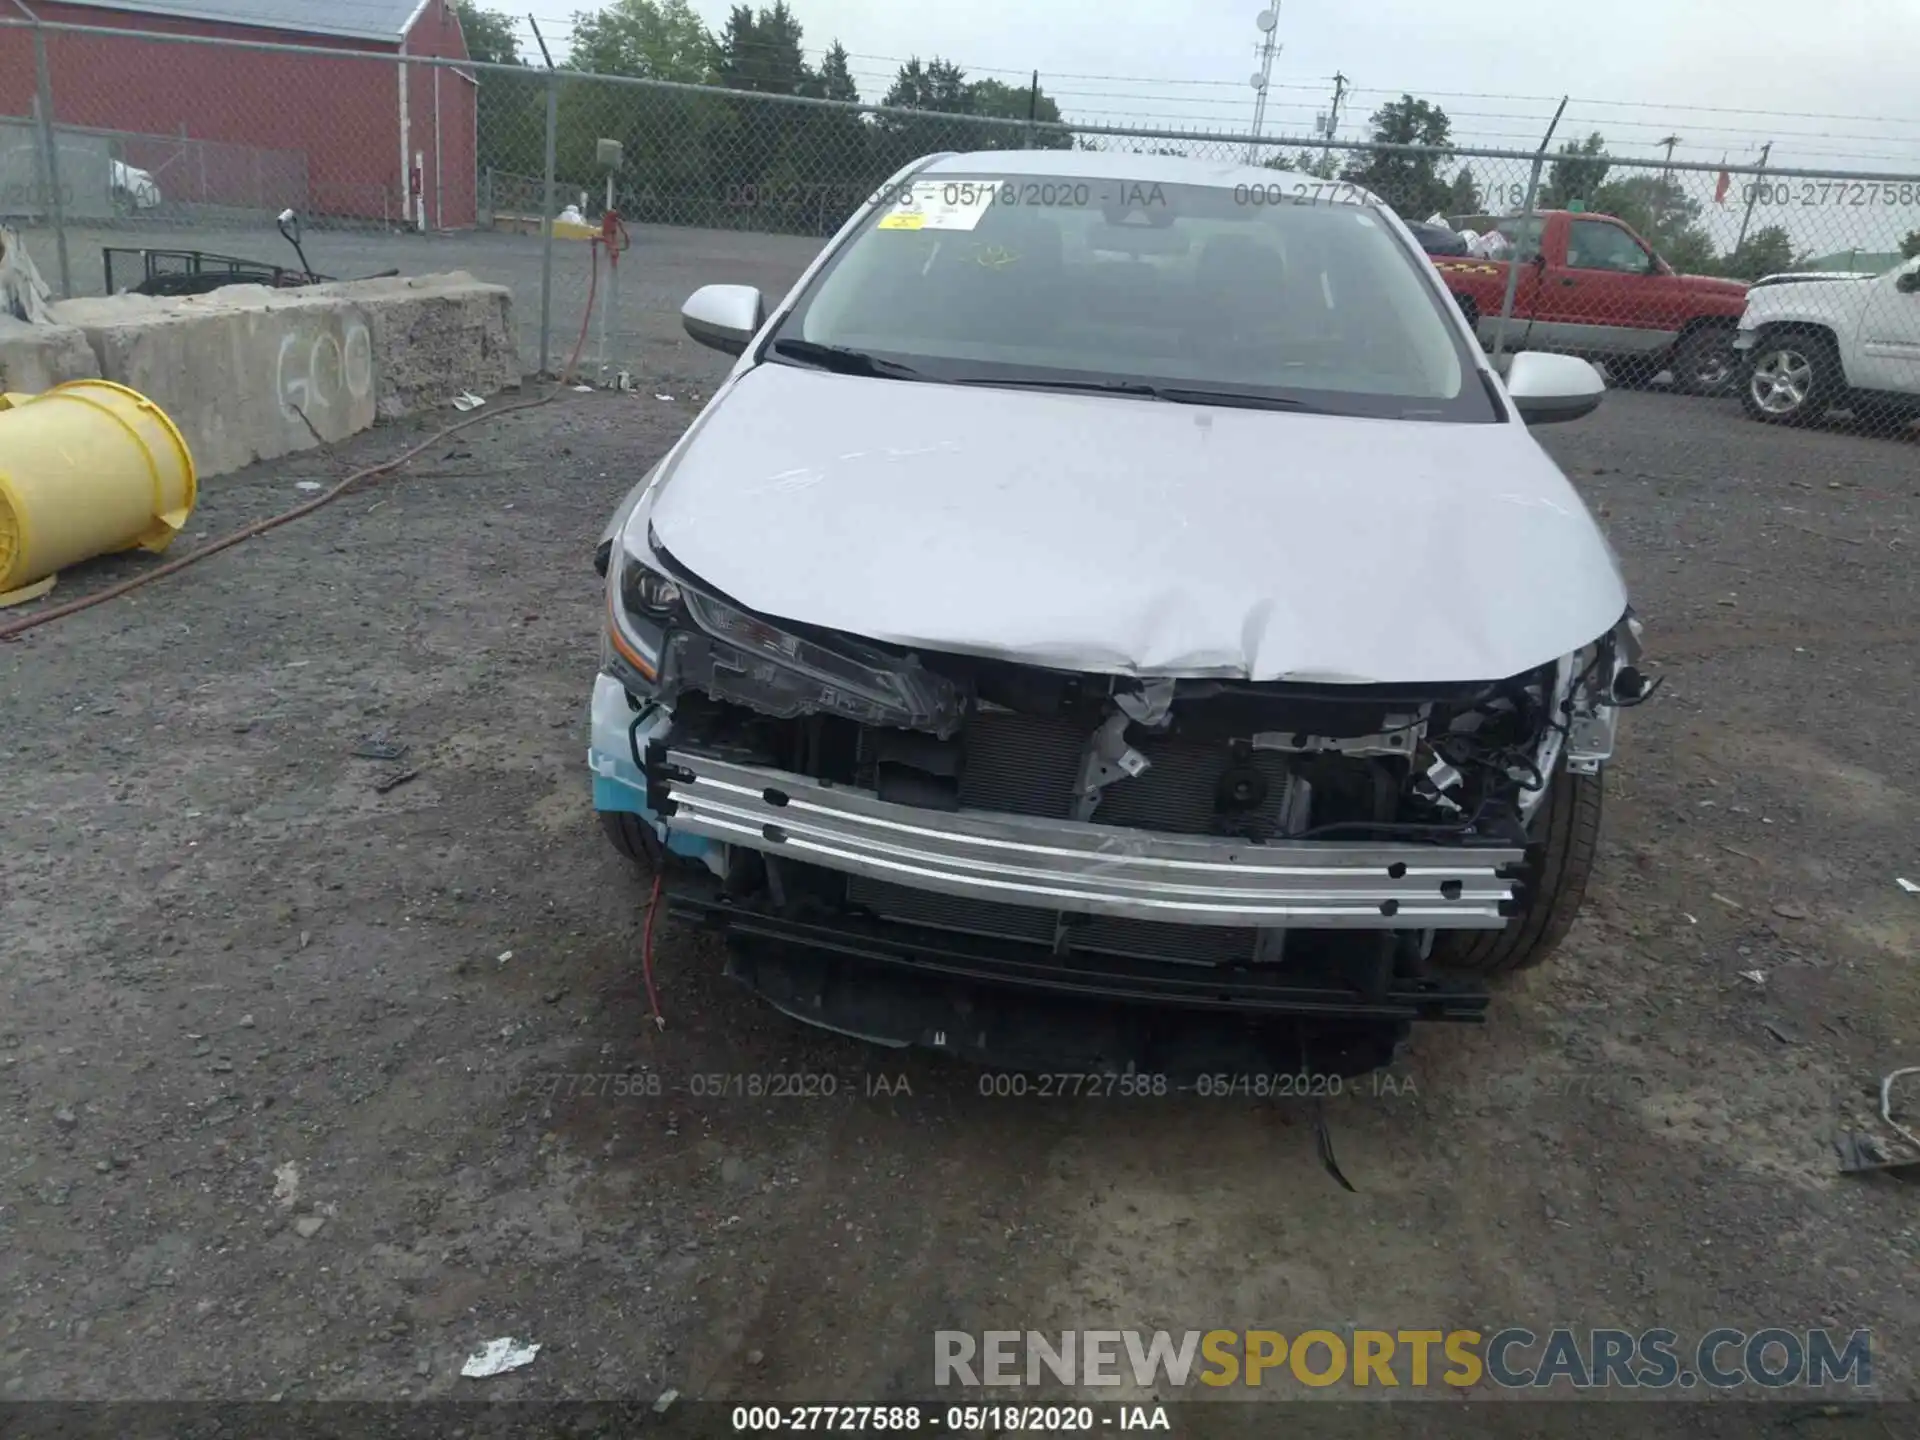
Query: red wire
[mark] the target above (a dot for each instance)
(593, 286)
(646, 953)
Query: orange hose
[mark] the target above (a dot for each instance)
(593, 286)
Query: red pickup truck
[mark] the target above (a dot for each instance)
(1590, 286)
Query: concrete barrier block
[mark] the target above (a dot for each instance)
(246, 372)
(38, 357)
(435, 336)
(250, 373)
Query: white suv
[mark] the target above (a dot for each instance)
(1815, 345)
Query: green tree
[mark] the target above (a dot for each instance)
(1304, 162)
(670, 139)
(938, 87)
(649, 39)
(1664, 215)
(489, 33)
(837, 139)
(1463, 196)
(767, 156)
(762, 53)
(1013, 102)
(1766, 251)
(1576, 175)
(1910, 246)
(836, 79)
(1409, 182)
(510, 109)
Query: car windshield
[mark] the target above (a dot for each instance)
(1277, 293)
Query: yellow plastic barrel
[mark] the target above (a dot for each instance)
(86, 468)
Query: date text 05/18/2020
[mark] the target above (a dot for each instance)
(947, 1419)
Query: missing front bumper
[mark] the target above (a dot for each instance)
(1089, 869)
(1019, 1006)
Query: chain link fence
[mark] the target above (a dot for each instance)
(1794, 290)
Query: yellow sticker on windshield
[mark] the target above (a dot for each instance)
(940, 205)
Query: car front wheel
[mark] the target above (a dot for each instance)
(634, 838)
(1567, 836)
(1705, 362)
(1791, 380)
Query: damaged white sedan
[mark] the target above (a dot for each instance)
(1111, 592)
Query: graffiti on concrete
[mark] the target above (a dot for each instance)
(325, 374)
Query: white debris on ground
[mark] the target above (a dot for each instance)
(496, 1357)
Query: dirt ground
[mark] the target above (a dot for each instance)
(285, 1057)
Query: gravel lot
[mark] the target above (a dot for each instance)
(260, 1021)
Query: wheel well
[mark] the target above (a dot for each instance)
(1804, 328)
(1706, 322)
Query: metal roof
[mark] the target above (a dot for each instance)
(354, 19)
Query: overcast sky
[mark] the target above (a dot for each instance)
(1832, 85)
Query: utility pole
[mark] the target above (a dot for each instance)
(1333, 117)
(546, 213)
(1268, 22)
(1753, 194)
(1666, 183)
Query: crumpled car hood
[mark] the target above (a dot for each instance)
(1129, 536)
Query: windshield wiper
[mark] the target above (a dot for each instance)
(844, 360)
(1172, 394)
(1102, 387)
(1183, 395)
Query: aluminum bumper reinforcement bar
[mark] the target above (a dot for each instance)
(1065, 865)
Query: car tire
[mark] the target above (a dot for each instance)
(1632, 372)
(1705, 362)
(1792, 378)
(1559, 862)
(633, 838)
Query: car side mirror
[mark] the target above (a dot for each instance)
(1547, 389)
(724, 317)
(1908, 283)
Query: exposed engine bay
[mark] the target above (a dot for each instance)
(822, 762)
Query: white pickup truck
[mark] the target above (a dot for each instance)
(1810, 346)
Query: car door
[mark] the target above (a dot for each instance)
(1522, 251)
(1603, 299)
(1889, 334)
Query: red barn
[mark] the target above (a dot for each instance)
(219, 126)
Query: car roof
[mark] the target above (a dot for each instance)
(1146, 169)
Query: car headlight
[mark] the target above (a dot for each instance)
(663, 637)
(641, 604)
(647, 592)
(742, 658)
